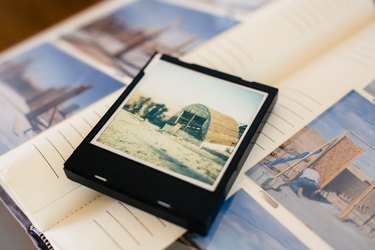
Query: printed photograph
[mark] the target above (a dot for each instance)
(181, 122)
(325, 174)
(243, 224)
(234, 8)
(41, 87)
(125, 39)
(371, 89)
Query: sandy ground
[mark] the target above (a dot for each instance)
(321, 218)
(146, 141)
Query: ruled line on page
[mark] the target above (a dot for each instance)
(305, 95)
(292, 20)
(283, 95)
(75, 129)
(57, 199)
(136, 217)
(204, 60)
(162, 222)
(291, 111)
(260, 146)
(231, 52)
(300, 16)
(256, 144)
(267, 136)
(73, 212)
(45, 159)
(242, 49)
(97, 114)
(87, 122)
(308, 17)
(123, 227)
(66, 139)
(108, 234)
(282, 118)
(221, 60)
(314, 12)
(275, 128)
(53, 145)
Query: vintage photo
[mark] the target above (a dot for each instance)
(181, 122)
(234, 8)
(370, 88)
(43, 86)
(325, 174)
(125, 39)
(243, 224)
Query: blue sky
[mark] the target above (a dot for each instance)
(52, 67)
(151, 14)
(243, 224)
(178, 87)
(352, 112)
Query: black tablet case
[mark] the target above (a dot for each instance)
(170, 198)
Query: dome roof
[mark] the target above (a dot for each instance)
(207, 124)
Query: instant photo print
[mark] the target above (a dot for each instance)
(174, 141)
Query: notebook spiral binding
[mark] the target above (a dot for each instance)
(41, 240)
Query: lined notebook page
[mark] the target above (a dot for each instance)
(53, 203)
(276, 40)
(307, 93)
(36, 177)
(113, 225)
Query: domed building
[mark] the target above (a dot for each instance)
(204, 125)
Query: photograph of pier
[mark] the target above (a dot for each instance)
(125, 39)
(41, 87)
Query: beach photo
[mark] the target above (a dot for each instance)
(243, 224)
(126, 38)
(183, 123)
(43, 86)
(325, 174)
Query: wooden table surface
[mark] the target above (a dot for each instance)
(22, 18)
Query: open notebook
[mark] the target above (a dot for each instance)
(313, 51)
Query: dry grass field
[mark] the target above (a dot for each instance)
(143, 140)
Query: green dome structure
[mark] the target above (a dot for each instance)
(205, 124)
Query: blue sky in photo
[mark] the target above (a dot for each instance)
(147, 14)
(179, 87)
(243, 224)
(52, 67)
(352, 112)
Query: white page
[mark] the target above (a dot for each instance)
(113, 225)
(44, 196)
(66, 211)
(278, 39)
